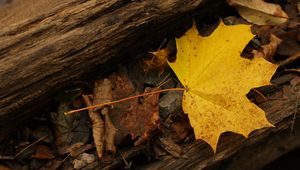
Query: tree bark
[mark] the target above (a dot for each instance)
(46, 50)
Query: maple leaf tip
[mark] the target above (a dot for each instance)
(214, 148)
(267, 125)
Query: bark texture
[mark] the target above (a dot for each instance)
(48, 49)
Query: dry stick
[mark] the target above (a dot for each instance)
(295, 114)
(37, 141)
(258, 92)
(6, 158)
(127, 165)
(164, 41)
(164, 81)
(69, 154)
(124, 99)
(290, 59)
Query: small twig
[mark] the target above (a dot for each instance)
(37, 141)
(66, 158)
(295, 113)
(127, 165)
(164, 81)
(258, 92)
(4, 157)
(161, 45)
(290, 59)
(124, 99)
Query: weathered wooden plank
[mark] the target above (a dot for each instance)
(43, 53)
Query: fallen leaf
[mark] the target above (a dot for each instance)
(160, 57)
(102, 93)
(158, 61)
(290, 45)
(83, 160)
(103, 130)
(4, 167)
(43, 152)
(142, 118)
(136, 117)
(97, 127)
(110, 133)
(234, 20)
(71, 130)
(268, 50)
(217, 79)
(172, 148)
(260, 12)
(181, 130)
(82, 149)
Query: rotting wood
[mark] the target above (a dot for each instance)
(45, 52)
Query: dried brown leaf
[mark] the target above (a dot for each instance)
(110, 133)
(43, 152)
(142, 118)
(158, 60)
(97, 127)
(136, 117)
(260, 12)
(290, 45)
(103, 130)
(81, 149)
(102, 92)
(160, 57)
(171, 147)
(181, 130)
(83, 160)
(268, 50)
(4, 167)
(152, 123)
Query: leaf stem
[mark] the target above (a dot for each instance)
(124, 99)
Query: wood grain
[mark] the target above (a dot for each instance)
(45, 52)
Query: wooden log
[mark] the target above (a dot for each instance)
(45, 50)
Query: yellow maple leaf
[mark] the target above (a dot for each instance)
(217, 80)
